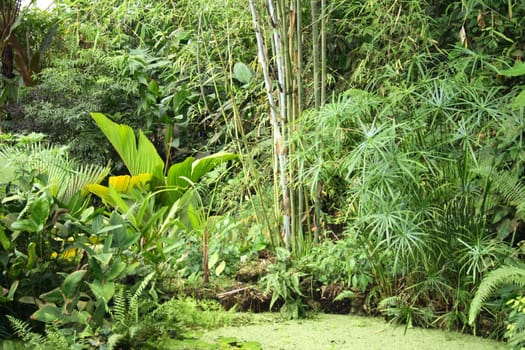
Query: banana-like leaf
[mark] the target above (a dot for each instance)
(139, 156)
(117, 185)
(179, 179)
(123, 183)
(182, 175)
(204, 165)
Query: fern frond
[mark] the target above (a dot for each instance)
(511, 189)
(143, 285)
(134, 300)
(23, 330)
(120, 307)
(494, 280)
(56, 339)
(393, 301)
(113, 341)
(5, 332)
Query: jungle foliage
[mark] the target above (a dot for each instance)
(371, 151)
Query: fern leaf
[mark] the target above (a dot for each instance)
(134, 300)
(56, 339)
(494, 280)
(23, 330)
(113, 341)
(512, 190)
(120, 307)
(143, 285)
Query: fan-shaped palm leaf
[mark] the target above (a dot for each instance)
(65, 177)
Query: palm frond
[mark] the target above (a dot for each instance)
(495, 279)
(79, 178)
(65, 177)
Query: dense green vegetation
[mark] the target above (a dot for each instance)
(365, 153)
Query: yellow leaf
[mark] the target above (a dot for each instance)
(120, 183)
(101, 191)
(140, 180)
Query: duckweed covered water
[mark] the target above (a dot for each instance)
(347, 332)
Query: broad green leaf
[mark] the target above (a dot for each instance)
(102, 291)
(99, 313)
(117, 200)
(179, 100)
(40, 211)
(180, 173)
(131, 269)
(53, 296)
(183, 174)
(25, 225)
(77, 317)
(178, 179)
(4, 241)
(195, 217)
(48, 313)
(12, 290)
(122, 236)
(516, 71)
(70, 284)
(346, 294)
(220, 268)
(519, 101)
(139, 156)
(213, 260)
(103, 258)
(242, 73)
(115, 270)
(108, 228)
(204, 165)
(153, 88)
(31, 255)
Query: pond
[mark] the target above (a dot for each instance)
(347, 332)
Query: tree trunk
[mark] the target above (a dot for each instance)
(8, 62)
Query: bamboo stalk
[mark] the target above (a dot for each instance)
(277, 120)
(299, 90)
(314, 4)
(249, 168)
(316, 53)
(323, 53)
